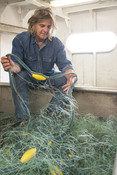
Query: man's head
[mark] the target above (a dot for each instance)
(40, 16)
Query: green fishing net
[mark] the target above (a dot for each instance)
(58, 142)
(89, 148)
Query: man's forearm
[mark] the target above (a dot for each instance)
(69, 71)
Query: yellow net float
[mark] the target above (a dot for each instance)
(38, 77)
(70, 155)
(28, 155)
(23, 134)
(59, 172)
(50, 143)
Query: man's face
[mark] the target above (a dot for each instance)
(43, 29)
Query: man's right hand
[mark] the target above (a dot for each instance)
(7, 63)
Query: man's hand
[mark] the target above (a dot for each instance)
(7, 63)
(70, 81)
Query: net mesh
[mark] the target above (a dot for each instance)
(65, 143)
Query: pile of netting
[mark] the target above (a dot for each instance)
(57, 141)
(63, 144)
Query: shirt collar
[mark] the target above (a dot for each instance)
(33, 41)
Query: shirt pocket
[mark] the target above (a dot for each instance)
(30, 57)
(32, 61)
(47, 59)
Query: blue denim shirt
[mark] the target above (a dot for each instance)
(41, 59)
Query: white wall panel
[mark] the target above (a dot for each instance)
(100, 69)
(62, 30)
(106, 19)
(81, 22)
(107, 62)
(107, 69)
(84, 67)
(6, 46)
(11, 16)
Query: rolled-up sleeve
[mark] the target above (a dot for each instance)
(17, 49)
(61, 59)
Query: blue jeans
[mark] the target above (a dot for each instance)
(23, 82)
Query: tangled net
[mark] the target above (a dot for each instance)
(59, 142)
(88, 148)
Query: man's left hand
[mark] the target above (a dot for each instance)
(70, 81)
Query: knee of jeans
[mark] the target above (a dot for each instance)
(59, 82)
(21, 77)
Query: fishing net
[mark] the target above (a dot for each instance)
(89, 148)
(44, 128)
(57, 141)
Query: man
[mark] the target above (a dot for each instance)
(39, 51)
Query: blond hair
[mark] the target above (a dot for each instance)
(39, 15)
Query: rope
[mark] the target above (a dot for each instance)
(15, 91)
(32, 72)
(28, 112)
(51, 77)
